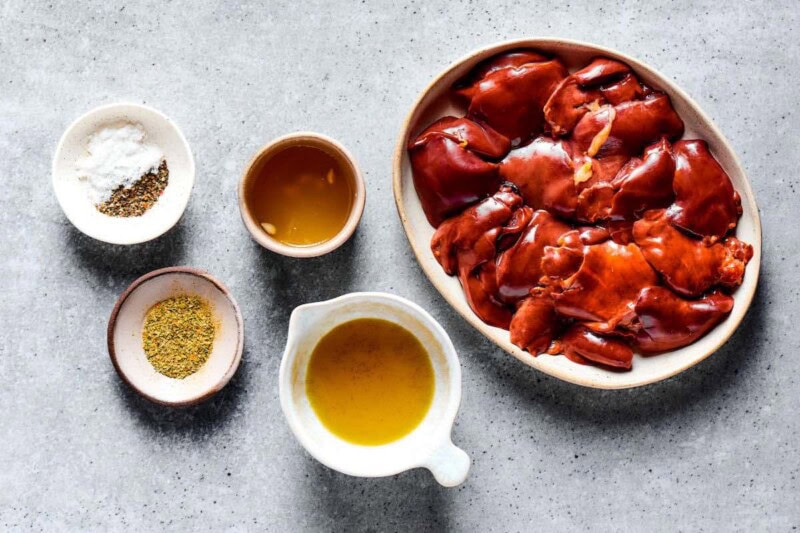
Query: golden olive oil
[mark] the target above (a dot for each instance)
(370, 381)
(302, 195)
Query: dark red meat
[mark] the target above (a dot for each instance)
(668, 322)
(599, 232)
(448, 169)
(706, 203)
(509, 93)
(603, 81)
(690, 266)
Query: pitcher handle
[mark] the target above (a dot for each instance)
(449, 464)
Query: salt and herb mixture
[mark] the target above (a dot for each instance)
(124, 175)
(135, 200)
(178, 335)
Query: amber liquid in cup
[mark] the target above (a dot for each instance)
(302, 195)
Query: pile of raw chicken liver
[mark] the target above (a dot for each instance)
(573, 214)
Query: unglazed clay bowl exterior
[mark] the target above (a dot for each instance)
(435, 101)
(125, 336)
(428, 445)
(164, 214)
(322, 142)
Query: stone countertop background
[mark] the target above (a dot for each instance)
(714, 448)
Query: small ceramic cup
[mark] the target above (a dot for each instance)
(322, 142)
(71, 193)
(429, 445)
(125, 336)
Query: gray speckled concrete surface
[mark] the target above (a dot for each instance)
(712, 449)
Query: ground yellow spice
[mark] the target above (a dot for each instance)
(178, 335)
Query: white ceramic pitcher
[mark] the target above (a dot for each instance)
(429, 445)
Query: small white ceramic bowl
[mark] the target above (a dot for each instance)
(165, 213)
(436, 101)
(125, 336)
(326, 144)
(429, 445)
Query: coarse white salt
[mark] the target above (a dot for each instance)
(117, 156)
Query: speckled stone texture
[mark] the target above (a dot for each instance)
(713, 449)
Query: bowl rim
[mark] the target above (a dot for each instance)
(356, 210)
(231, 370)
(545, 43)
(176, 212)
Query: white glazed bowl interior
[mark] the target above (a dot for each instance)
(125, 337)
(429, 445)
(159, 130)
(435, 102)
